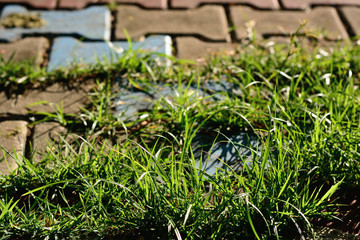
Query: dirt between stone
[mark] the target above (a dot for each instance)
(21, 20)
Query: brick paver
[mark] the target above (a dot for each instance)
(352, 15)
(13, 136)
(193, 48)
(208, 21)
(67, 49)
(44, 135)
(304, 43)
(265, 4)
(56, 94)
(320, 19)
(41, 4)
(92, 23)
(31, 48)
(77, 4)
(303, 4)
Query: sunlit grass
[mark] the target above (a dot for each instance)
(139, 179)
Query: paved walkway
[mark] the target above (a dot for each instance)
(49, 31)
(185, 28)
(188, 29)
(193, 28)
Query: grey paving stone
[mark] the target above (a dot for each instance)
(31, 48)
(130, 100)
(91, 23)
(225, 153)
(13, 139)
(66, 50)
(215, 154)
(264, 4)
(208, 21)
(324, 20)
(352, 15)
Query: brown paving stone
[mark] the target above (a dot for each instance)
(208, 21)
(265, 4)
(295, 4)
(303, 4)
(321, 19)
(44, 4)
(13, 136)
(31, 48)
(352, 15)
(78, 4)
(305, 43)
(45, 134)
(72, 99)
(195, 49)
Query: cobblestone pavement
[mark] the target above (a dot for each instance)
(188, 29)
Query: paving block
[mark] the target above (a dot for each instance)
(43, 4)
(31, 48)
(303, 4)
(217, 153)
(13, 136)
(305, 43)
(352, 16)
(195, 49)
(70, 98)
(132, 100)
(295, 4)
(208, 21)
(45, 136)
(264, 4)
(92, 23)
(71, 4)
(324, 20)
(66, 50)
(335, 2)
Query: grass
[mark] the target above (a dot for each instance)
(138, 179)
